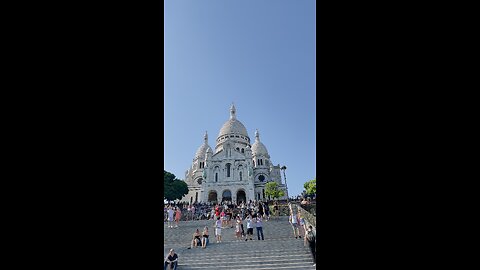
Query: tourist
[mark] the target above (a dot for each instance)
(241, 225)
(249, 227)
(212, 214)
(294, 221)
(275, 209)
(242, 209)
(311, 238)
(224, 219)
(258, 223)
(196, 239)
(238, 231)
(205, 237)
(217, 211)
(171, 259)
(230, 217)
(218, 230)
(267, 211)
(193, 212)
(170, 217)
(303, 225)
(260, 210)
(178, 215)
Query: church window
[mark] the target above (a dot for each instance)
(216, 177)
(240, 176)
(237, 136)
(196, 196)
(238, 149)
(228, 169)
(254, 163)
(261, 178)
(231, 136)
(243, 150)
(263, 193)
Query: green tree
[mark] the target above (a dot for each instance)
(311, 187)
(173, 188)
(272, 190)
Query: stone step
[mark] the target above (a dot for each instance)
(247, 265)
(279, 250)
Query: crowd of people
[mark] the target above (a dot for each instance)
(176, 212)
(227, 215)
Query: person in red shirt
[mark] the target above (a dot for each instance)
(217, 212)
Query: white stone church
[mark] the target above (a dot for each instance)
(237, 171)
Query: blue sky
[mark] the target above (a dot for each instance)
(258, 54)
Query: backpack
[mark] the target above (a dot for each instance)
(310, 237)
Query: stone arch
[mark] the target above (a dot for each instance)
(241, 196)
(212, 196)
(226, 195)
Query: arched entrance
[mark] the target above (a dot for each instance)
(212, 196)
(241, 197)
(226, 195)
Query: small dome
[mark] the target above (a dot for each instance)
(204, 148)
(258, 148)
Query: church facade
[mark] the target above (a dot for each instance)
(235, 171)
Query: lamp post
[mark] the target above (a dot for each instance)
(283, 168)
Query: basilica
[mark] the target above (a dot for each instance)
(236, 171)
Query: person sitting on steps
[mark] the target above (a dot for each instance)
(205, 237)
(171, 259)
(196, 239)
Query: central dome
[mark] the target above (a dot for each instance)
(233, 126)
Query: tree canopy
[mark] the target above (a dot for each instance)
(272, 190)
(173, 188)
(311, 187)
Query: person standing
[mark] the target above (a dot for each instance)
(303, 225)
(224, 218)
(170, 217)
(311, 238)
(259, 225)
(178, 215)
(267, 211)
(218, 230)
(171, 259)
(249, 227)
(237, 228)
(275, 209)
(294, 222)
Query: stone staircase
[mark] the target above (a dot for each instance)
(279, 250)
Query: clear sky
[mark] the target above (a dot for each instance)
(258, 54)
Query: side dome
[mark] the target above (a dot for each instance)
(258, 148)
(202, 150)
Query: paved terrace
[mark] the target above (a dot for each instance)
(279, 250)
